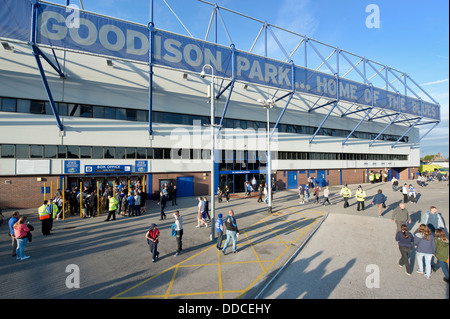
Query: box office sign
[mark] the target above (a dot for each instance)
(95, 169)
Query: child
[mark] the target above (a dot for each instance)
(152, 236)
(441, 254)
(405, 240)
(425, 248)
(219, 230)
(412, 194)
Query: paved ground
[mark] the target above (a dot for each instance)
(114, 262)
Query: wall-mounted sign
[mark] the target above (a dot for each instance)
(94, 169)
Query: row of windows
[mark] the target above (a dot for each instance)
(127, 114)
(24, 151)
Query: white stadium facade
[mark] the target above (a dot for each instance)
(85, 102)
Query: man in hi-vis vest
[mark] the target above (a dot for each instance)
(44, 216)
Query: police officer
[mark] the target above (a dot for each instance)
(360, 198)
(44, 217)
(112, 208)
(346, 193)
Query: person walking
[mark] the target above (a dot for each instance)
(112, 208)
(174, 195)
(400, 216)
(316, 193)
(260, 193)
(152, 236)
(405, 241)
(301, 194)
(21, 231)
(379, 199)
(433, 219)
(219, 195)
(201, 210)
(326, 194)
(178, 231)
(425, 249)
(219, 230)
(232, 231)
(206, 212)
(360, 198)
(441, 243)
(137, 203)
(12, 221)
(131, 204)
(227, 193)
(346, 193)
(412, 194)
(266, 194)
(405, 193)
(162, 204)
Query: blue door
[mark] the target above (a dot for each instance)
(185, 186)
(292, 180)
(322, 178)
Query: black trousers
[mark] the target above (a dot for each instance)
(46, 226)
(179, 237)
(404, 260)
(360, 205)
(112, 213)
(346, 202)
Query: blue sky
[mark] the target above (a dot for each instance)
(413, 36)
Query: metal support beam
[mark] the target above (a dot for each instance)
(404, 134)
(381, 133)
(231, 86)
(418, 142)
(323, 122)
(291, 94)
(356, 127)
(151, 28)
(37, 53)
(362, 110)
(318, 107)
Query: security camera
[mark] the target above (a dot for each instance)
(203, 74)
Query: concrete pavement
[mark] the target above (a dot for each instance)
(111, 259)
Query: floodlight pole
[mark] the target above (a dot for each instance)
(212, 97)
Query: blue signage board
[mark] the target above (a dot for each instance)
(95, 169)
(59, 26)
(71, 167)
(141, 167)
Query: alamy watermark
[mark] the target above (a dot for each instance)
(373, 19)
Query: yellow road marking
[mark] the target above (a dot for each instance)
(221, 292)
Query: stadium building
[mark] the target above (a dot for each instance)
(83, 101)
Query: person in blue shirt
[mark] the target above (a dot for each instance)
(131, 209)
(219, 230)
(14, 219)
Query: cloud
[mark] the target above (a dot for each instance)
(435, 82)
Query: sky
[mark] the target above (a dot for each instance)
(412, 36)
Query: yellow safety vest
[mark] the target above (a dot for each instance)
(371, 177)
(360, 196)
(112, 204)
(54, 210)
(346, 192)
(43, 213)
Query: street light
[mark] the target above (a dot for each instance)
(268, 104)
(203, 74)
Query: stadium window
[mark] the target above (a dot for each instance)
(109, 152)
(142, 116)
(131, 115)
(121, 114)
(23, 106)
(141, 153)
(86, 111)
(36, 151)
(62, 151)
(73, 110)
(22, 151)
(120, 153)
(130, 153)
(37, 107)
(110, 113)
(149, 153)
(62, 109)
(8, 105)
(97, 152)
(73, 152)
(50, 151)
(8, 150)
(98, 112)
(85, 152)
(158, 153)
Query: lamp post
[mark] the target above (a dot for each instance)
(212, 97)
(268, 104)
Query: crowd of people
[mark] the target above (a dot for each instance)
(429, 242)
